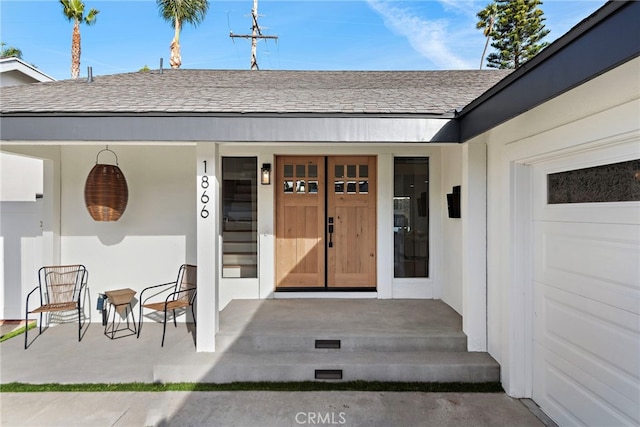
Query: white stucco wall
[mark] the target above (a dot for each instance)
(21, 178)
(156, 233)
(15, 78)
(601, 112)
(31, 230)
(451, 229)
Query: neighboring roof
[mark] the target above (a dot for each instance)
(187, 91)
(23, 72)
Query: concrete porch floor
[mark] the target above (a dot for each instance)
(268, 340)
(273, 335)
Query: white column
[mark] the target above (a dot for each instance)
(207, 220)
(266, 230)
(474, 245)
(51, 213)
(385, 226)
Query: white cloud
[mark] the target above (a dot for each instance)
(466, 7)
(434, 39)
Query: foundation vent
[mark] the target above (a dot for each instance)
(327, 343)
(328, 374)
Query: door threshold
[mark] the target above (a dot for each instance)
(325, 294)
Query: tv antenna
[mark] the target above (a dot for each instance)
(256, 34)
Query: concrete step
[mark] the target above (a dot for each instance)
(412, 366)
(443, 341)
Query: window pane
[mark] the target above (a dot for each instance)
(351, 171)
(239, 213)
(288, 186)
(617, 182)
(313, 171)
(288, 171)
(364, 171)
(339, 187)
(300, 186)
(351, 187)
(339, 171)
(300, 171)
(313, 186)
(411, 217)
(364, 187)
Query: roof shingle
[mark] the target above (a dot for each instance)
(254, 92)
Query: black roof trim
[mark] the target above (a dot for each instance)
(283, 115)
(604, 40)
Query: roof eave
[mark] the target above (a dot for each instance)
(599, 43)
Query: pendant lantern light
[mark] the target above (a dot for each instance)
(106, 193)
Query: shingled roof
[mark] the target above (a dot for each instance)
(255, 92)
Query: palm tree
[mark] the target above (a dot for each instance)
(487, 19)
(10, 51)
(74, 11)
(176, 12)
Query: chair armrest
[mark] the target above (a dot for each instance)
(28, 296)
(153, 287)
(177, 292)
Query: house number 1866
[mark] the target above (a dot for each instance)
(204, 199)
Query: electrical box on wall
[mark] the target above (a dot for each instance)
(453, 202)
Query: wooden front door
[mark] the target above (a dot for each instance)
(325, 222)
(351, 207)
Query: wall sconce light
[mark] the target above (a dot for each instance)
(453, 202)
(265, 174)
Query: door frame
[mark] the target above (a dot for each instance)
(519, 367)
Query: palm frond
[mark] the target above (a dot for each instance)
(191, 11)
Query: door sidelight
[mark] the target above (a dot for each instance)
(330, 231)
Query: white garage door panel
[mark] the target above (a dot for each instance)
(572, 402)
(600, 262)
(591, 213)
(586, 302)
(568, 327)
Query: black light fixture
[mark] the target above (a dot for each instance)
(265, 174)
(453, 202)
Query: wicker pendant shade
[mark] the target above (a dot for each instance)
(106, 193)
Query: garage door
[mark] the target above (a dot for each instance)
(586, 361)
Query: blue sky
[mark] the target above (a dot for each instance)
(319, 35)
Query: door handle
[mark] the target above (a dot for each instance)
(330, 232)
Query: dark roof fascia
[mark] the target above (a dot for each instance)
(604, 40)
(226, 129)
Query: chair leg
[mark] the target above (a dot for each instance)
(40, 322)
(133, 319)
(139, 320)
(164, 327)
(193, 314)
(26, 329)
(79, 325)
(175, 322)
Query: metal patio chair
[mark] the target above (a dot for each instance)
(60, 289)
(182, 296)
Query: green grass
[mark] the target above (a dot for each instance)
(260, 386)
(17, 332)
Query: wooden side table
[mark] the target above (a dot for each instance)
(120, 303)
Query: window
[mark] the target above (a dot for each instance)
(239, 216)
(617, 182)
(411, 217)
